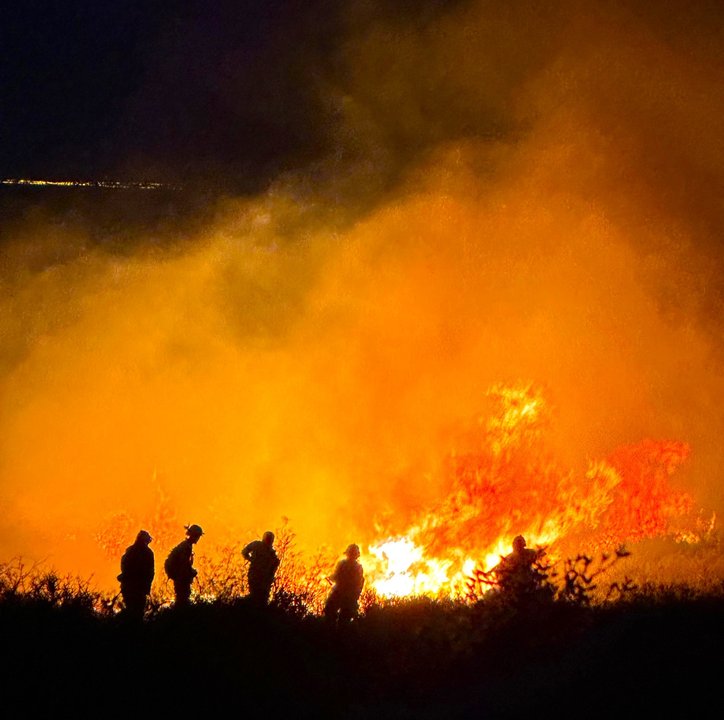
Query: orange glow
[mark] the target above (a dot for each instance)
(146, 395)
(494, 309)
(502, 483)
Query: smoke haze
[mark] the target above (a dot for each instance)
(499, 194)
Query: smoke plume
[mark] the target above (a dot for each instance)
(503, 194)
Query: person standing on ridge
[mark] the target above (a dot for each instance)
(263, 563)
(179, 565)
(348, 580)
(137, 571)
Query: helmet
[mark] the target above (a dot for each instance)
(268, 537)
(144, 536)
(352, 551)
(194, 530)
(518, 542)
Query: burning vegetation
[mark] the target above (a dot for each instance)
(500, 479)
(494, 199)
(504, 481)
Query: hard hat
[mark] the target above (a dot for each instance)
(194, 530)
(352, 550)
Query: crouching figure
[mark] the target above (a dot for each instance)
(517, 574)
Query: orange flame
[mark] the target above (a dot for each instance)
(503, 481)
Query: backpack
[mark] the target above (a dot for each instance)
(175, 565)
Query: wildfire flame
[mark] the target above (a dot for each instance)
(503, 481)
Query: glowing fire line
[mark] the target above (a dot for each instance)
(503, 483)
(400, 568)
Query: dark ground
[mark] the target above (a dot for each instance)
(649, 657)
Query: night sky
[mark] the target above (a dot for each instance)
(232, 94)
(229, 93)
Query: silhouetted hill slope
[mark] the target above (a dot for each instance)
(651, 657)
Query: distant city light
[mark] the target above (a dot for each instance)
(113, 184)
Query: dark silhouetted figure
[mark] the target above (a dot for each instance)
(348, 579)
(137, 570)
(516, 573)
(179, 565)
(263, 563)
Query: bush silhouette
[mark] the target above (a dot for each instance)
(645, 648)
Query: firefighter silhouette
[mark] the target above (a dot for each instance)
(137, 571)
(179, 565)
(263, 563)
(348, 580)
(516, 573)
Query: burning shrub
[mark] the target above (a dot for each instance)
(221, 576)
(547, 581)
(300, 586)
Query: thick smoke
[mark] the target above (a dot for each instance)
(512, 195)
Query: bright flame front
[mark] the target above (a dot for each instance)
(502, 481)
